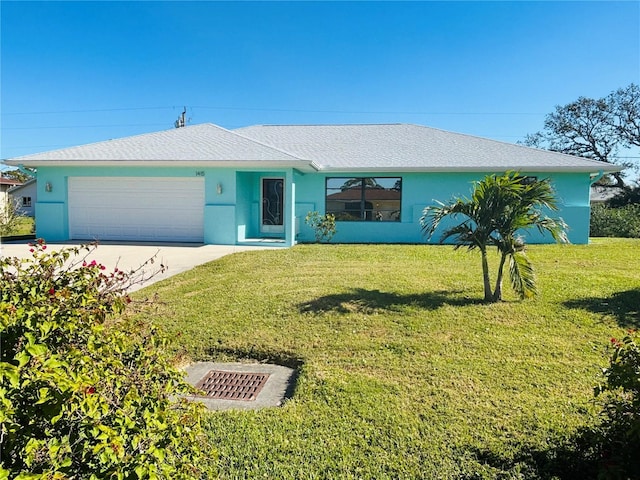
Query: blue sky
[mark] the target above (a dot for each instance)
(80, 72)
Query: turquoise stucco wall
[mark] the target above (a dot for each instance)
(231, 212)
(422, 189)
(232, 215)
(52, 221)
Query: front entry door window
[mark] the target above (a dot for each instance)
(272, 213)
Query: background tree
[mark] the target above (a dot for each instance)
(499, 207)
(594, 128)
(625, 103)
(17, 175)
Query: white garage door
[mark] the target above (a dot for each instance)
(134, 208)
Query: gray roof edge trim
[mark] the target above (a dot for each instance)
(301, 164)
(515, 168)
(14, 162)
(309, 166)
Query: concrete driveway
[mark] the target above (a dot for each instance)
(126, 256)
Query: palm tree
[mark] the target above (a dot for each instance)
(499, 207)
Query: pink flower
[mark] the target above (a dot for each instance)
(44, 247)
(90, 390)
(52, 291)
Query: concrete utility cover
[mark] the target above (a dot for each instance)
(244, 386)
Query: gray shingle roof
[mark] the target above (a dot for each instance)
(410, 147)
(390, 147)
(204, 142)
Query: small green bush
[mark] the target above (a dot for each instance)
(617, 439)
(324, 226)
(10, 218)
(83, 395)
(615, 222)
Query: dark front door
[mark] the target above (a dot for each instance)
(272, 212)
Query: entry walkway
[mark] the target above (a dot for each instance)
(127, 256)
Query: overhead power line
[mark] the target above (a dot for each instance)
(258, 109)
(90, 126)
(57, 112)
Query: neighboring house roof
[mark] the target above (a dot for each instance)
(388, 147)
(371, 194)
(9, 181)
(197, 144)
(600, 193)
(411, 147)
(17, 188)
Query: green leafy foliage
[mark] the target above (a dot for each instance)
(83, 395)
(10, 217)
(630, 195)
(20, 176)
(500, 206)
(621, 222)
(618, 437)
(324, 226)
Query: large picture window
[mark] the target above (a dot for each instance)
(364, 199)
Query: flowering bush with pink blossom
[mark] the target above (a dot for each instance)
(82, 394)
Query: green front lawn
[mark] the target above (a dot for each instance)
(404, 373)
(26, 226)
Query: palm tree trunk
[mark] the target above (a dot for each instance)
(488, 297)
(497, 294)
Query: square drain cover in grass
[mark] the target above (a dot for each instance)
(232, 385)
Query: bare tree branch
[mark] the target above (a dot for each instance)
(594, 128)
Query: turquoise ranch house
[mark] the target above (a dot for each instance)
(255, 185)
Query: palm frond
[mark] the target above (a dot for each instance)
(433, 215)
(522, 275)
(463, 235)
(500, 206)
(556, 227)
